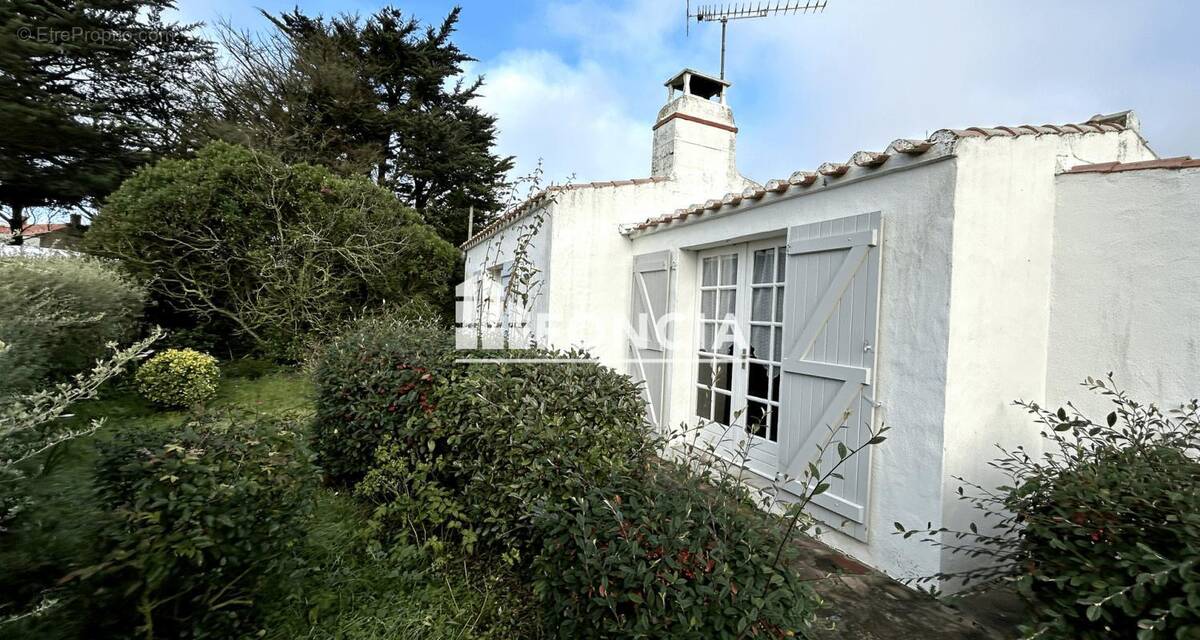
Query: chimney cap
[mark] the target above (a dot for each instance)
(700, 84)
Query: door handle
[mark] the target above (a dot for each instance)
(745, 357)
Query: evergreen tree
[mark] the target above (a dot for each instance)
(89, 90)
(382, 97)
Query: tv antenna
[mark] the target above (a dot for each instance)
(723, 13)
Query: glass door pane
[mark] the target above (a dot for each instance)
(739, 347)
(715, 388)
(766, 335)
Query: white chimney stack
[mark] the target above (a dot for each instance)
(694, 136)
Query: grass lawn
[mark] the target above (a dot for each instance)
(349, 590)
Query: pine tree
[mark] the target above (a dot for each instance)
(89, 91)
(382, 97)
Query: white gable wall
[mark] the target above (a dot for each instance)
(584, 261)
(1126, 287)
(999, 320)
(591, 260)
(484, 259)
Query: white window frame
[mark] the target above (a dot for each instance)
(763, 452)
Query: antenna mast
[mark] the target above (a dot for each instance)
(723, 13)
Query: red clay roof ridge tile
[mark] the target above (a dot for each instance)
(1179, 162)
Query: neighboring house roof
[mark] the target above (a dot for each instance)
(1181, 162)
(34, 229)
(529, 204)
(832, 172)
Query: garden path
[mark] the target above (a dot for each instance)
(863, 604)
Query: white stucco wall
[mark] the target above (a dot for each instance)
(999, 319)
(917, 211)
(585, 262)
(1126, 287)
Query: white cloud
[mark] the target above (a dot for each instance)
(818, 87)
(864, 73)
(573, 117)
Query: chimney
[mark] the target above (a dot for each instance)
(76, 220)
(694, 136)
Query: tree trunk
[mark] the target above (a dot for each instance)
(16, 224)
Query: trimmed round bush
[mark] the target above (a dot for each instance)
(58, 316)
(236, 243)
(666, 555)
(463, 453)
(178, 378)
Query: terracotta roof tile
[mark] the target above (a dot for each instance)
(909, 147)
(802, 178)
(868, 159)
(1181, 162)
(834, 171)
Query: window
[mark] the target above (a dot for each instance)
(740, 337)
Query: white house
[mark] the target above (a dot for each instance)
(925, 286)
(580, 293)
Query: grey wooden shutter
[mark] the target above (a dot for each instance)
(831, 309)
(466, 323)
(650, 302)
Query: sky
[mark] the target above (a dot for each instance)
(576, 84)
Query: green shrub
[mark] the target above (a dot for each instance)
(1109, 526)
(1102, 532)
(666, 555)
(205, 520)
(283, 255)
(1113, 545)
(369, 383)
(500, 439)
(178, 378)
(57, 316)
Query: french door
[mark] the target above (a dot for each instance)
(740, 343)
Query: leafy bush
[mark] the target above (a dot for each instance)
(58, 316)
(370, 382)
(178, 378)
(500, 439)
(284, 255)
(1102, 532)
(204, 521)
(667, 556)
